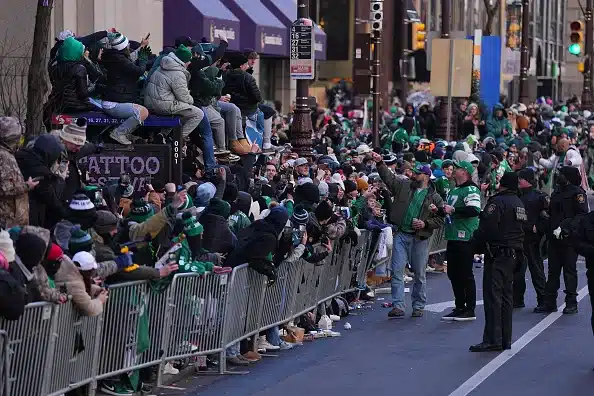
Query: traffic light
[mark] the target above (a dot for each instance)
(576, 38)
(581, 67)
(417, 36)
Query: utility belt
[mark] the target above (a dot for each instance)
(500, 251)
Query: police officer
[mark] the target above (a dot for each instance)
(568, 200)
(536, 204)
(501, 236)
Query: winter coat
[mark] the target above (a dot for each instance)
(205, 86)
(403, 193)
(69, 277)
(45, 203)
(69, 79)
(167, 89)
(121, 76)
(244, 91)
(14, 198)
(76, 177)
(256, 246)
(571, 158)
(40, 282)
(496, 125)
(217, 237)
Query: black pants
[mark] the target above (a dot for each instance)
(460, 257)
(590, 277)
(267, 110)
(498, 278)
(561, 257)
(533, 261)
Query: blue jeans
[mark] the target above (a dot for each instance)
(233, 124)
(233, 350)
(202, 137)
(127, 111)
(273, 336)
(409, 249)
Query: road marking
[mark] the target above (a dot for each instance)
(442, 306)
(473, 382)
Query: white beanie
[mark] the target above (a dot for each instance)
(7, 246)
(75, 133)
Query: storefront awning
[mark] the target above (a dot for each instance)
(198, 19)
(260, 29)
(286, 12)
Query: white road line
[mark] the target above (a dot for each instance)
(473, 382)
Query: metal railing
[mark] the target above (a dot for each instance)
(52, 349)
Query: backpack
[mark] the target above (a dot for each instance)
(12, 297)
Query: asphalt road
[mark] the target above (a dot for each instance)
(426, 356)
(552, 355)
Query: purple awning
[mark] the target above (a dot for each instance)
(260, 29)
(286, 12)
(198, 19)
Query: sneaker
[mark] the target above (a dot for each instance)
(116, 388)
(407, 279)
(396, 313)
(121, 139)
(265, 345)
(450, 317)
(465, 316)
(417, 313)
(236, 361)
(169, 369)
(252, 356)
(429, 268)
(243, 359)
(285, 346)
(218, 152)
(330, 333)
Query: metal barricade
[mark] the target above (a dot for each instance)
(4, 368)
(30, 349)
(279, 298)
(194, 316)
(77, 343)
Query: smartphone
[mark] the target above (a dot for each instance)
(147, 36)
(38, 178)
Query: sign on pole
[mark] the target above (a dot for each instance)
(303, 63)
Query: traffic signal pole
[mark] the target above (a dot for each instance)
(376, 39)
(587, 89)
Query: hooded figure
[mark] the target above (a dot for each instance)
(218, 237)
(241, 211)
(14, 198)
(258, 242)
(498, 126)
(41, 161)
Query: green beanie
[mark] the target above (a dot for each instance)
(183, 53)
(80, 241)
(140, 211)
(218, 207)
(191, 226)
(71, 50)
(188, 203)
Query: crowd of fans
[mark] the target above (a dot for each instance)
(242, 203)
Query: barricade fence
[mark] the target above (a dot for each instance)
(52, 349)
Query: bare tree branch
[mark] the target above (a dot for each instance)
(13, 77)
(491, 13)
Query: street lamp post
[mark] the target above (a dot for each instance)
(301, 127)
(524, 54)
(445, 106)
(587, 90)
(376, 39)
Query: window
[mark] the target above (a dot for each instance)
(335, 19)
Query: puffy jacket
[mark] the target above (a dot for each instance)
(70, 278)
(122, 76)
(244, 91)
(496, 125)
(68, 76)
(167, 89)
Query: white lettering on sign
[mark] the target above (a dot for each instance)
(229, 33)
(273, 40)
(320, 47)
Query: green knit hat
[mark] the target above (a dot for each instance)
(218, 207)
(80, 241)
(188, 203)
(191, 226)
(183, 53)
(140, 211)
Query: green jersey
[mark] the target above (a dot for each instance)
(462, 228)
(443, 185)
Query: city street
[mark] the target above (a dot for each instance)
(551, 355)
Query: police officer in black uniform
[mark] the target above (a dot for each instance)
(501, 237)
(568, 200)
(536, 204)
